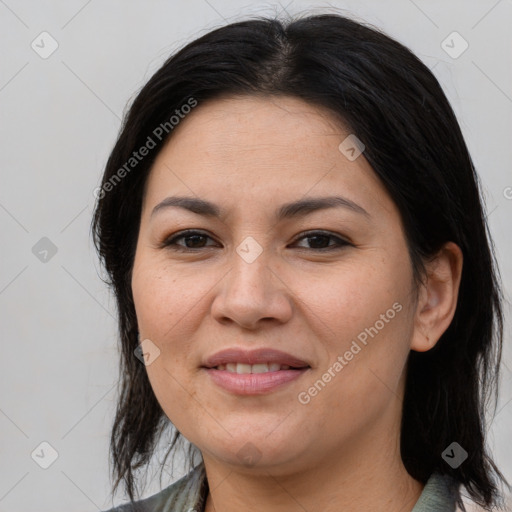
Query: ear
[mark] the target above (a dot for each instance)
(437, 297)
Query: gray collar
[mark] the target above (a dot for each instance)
(189, 495)
(439, 494)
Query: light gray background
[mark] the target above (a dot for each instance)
(59, 119)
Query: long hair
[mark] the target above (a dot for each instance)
(386, 96)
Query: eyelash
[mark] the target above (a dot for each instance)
(170, 242)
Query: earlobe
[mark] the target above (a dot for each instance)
(437, 298)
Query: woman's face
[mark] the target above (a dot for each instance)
(331, 287)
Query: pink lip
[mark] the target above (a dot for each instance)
(255, 356)
(253, 383)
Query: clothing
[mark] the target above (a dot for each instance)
(189, 495)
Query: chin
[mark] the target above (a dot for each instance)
(247, 450)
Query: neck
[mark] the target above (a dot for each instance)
(370, 476)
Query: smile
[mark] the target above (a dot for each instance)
(241, 379)
(242, 368)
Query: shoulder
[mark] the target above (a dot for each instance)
(440, 493)
(184, 495)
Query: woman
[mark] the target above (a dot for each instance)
(292, 226)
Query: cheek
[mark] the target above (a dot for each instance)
(169, 309)
(167, 302)
(166, 298)
(363, 318)
(354, 297)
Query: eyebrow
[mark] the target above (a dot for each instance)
(286, 211)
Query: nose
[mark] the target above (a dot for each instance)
(253, 293)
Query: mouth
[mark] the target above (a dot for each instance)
(254, 383)
(254, 372)
(259, 360)
(242, 368)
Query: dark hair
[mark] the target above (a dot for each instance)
(386, 96)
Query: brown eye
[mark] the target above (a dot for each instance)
(320, 241)
(193, 240)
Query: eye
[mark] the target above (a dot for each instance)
(195, 240)
(320, 238)
(194, 237)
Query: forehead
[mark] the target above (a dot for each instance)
(274, 148)
(248, 123)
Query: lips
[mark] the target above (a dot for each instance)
(254, 372)
(254, 357)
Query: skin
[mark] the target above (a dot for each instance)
(341, 450)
